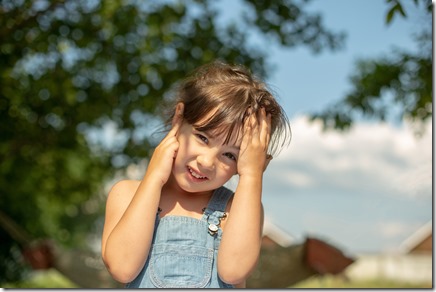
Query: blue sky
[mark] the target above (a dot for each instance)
(365, 191)
(367, 37)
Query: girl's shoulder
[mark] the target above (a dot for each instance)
(124, 190)
(126, 184)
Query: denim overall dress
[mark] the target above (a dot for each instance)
(184, 250)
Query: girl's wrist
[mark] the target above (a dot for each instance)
(151, 181)
(252, 176)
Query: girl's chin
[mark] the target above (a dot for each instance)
(190, 185)
(193, 188)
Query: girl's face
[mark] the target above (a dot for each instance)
(203, 163)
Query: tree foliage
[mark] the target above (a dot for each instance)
(399, 84)
(74, 70)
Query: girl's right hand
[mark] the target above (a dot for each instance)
(253, 157)
(161, 161)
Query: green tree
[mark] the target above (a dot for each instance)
(71, 70)
(398, 86)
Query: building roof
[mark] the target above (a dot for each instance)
(416, 238)
(277, 234)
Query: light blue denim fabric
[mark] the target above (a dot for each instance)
(184, 252)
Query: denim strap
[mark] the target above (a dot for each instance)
(217, 205)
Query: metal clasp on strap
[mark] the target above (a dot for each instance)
(212, 227)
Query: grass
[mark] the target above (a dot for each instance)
(53, 279)
(340, 282)
(43, 279)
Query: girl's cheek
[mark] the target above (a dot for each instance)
(230, 170)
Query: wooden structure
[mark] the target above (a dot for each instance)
(285, 264)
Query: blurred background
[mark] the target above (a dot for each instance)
(83, 85)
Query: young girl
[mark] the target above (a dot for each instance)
(179, 227)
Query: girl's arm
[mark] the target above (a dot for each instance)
(128, 228)
(240, 245)
(131, 213)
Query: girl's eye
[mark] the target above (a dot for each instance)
(231, 156)
(202, 138)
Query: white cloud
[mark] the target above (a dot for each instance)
(369, 156)
(299, 179)
(392, 229)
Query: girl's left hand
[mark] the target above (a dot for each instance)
(253, 158)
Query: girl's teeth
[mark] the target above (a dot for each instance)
(194, 174)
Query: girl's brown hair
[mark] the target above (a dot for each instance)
(229, 91)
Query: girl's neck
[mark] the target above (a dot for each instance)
(175, 201)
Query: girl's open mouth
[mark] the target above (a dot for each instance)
(196, 175)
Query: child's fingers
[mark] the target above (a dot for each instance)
(177, 120)
(247, 130)
(265, 127)
(247, 125)
(268, 129)
(254, 124)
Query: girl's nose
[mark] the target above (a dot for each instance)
(206, 161)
